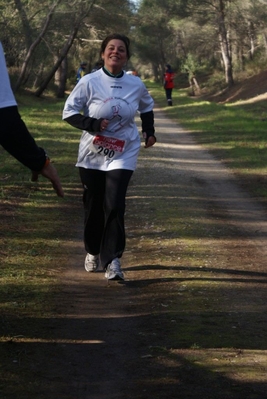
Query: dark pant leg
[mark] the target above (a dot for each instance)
(93, 201)
(169, 96)
(113, 240)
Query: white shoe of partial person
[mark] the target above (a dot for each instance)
(113, 271)
(91, 263)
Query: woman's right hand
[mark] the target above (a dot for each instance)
(104, 124)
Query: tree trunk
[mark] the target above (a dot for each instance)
(34, 45)
(252, 40)
(224, 44)
(65, 50)
(24, 22)
(241, 58)
(195, 83)
(156, 73)
(58, 62)
(265, 42)
(61, 78)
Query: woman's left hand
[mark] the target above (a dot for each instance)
(150, 141)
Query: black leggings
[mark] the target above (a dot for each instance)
(104, 208)
(168, 94)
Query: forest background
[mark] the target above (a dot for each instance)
(210, 44)
(213, 46)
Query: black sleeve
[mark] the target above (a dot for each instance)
(91, 125)
(17, 140)
(148, 124)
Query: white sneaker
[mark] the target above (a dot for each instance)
(91, 263)
(113, 271)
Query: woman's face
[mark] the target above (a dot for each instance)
(115, 56)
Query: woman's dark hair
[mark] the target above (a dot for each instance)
(123, 38)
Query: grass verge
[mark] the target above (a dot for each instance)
(235, 133)
(33, 219)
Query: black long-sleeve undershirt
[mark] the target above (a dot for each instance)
(92, 125)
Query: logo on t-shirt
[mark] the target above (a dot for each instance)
(118, 111)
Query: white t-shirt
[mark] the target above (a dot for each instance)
(117, 99)
(7, 98)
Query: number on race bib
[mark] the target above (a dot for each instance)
(107, 146)
(106, 152)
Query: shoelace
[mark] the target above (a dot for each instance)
(115, 266)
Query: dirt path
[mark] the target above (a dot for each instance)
(191, 320)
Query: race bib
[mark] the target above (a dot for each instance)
(107, 146)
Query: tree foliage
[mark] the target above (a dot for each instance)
(46, 41)
(39, 36)
(223, 35)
